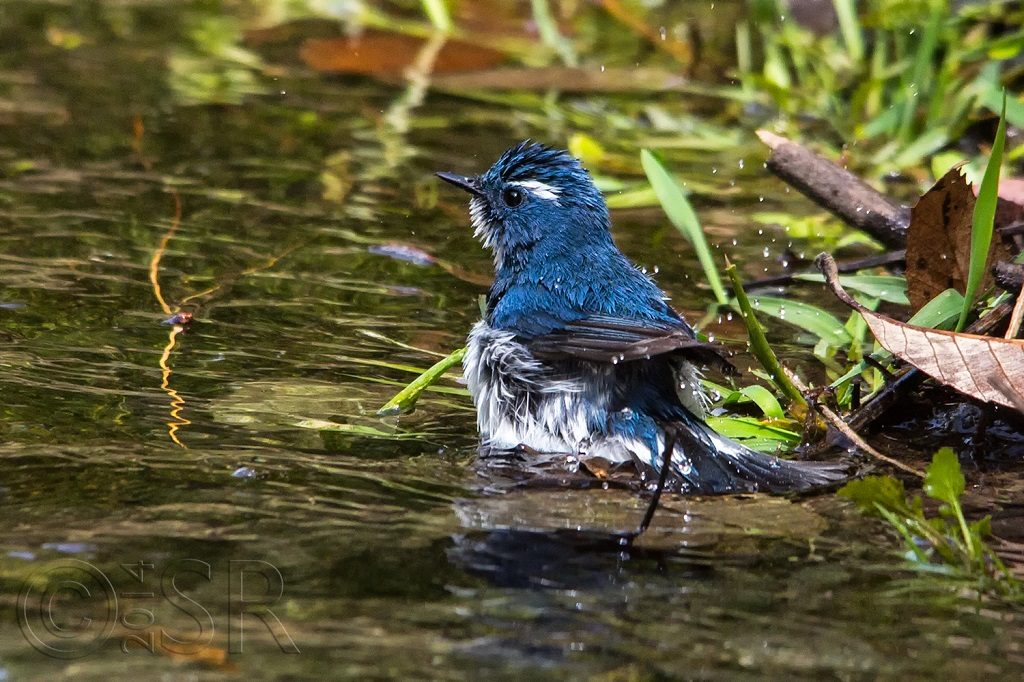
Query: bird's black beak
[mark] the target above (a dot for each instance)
(471, 185)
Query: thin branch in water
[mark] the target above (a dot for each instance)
(845, 429)
(856, 265)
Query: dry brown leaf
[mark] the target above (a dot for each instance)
(939, 240)
(979, 366)
(377, 53)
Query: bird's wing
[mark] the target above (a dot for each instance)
(602, 338)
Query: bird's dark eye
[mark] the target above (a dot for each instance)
(512, 197)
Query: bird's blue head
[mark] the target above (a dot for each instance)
(534, 203)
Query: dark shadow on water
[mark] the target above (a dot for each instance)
(563, 559)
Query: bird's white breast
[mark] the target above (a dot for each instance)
(520, 400)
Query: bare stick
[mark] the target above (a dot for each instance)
(1017, 316)
(836, 189)
(845, 429)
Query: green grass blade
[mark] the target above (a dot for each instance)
(765, 400)
(940, 312)
(406, 398)
(983, 221)
(437, 12)
(889, 288)
(918, 81)
(549, 33)
(679, 211)
(849, 27)
(810, 318)
(759, 344)
(745, 427)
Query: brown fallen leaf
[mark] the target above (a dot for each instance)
(377, 53)
(1014, 394)
(939, 240)
(978, 366)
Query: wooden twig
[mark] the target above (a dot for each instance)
(844, 194)
(854, 265)
(844, 428)
(1013, 328)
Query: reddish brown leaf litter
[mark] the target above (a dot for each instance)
(939, 240)
(376, 53)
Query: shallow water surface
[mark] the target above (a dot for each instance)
(220, 500)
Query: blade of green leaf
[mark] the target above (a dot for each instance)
(940, 312)
(982, 224)
(943, 480)
(810, 318)
(437, 12)
(849, 27)
(759, 344)
(745, 427)
(764, 399)
(679, 211)
(872, 491)
(549, 33)
(406, 398)
(918, 79)
(889, 288)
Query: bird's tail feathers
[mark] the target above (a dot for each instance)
(707, 463)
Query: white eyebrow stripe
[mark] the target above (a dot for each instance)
(539, 189)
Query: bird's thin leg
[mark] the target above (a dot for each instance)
(670, 443)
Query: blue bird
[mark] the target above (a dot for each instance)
(578, 351)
